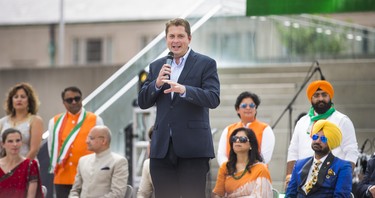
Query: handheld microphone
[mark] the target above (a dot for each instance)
(169, 60)
(320, 71)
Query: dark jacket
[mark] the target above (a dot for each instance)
(368, 179)
(334, 178)
(186, 117)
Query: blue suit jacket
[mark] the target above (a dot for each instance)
(187, 117)
(334, 178)
(368, 179)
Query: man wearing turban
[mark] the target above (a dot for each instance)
(322, 175)
(320, 94)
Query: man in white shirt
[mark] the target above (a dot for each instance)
(320, 93)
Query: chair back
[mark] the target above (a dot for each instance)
(129, 191)
(44, 191)
(275, 193)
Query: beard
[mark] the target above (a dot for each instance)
(321, 106)
(322, 151)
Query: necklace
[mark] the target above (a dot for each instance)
(9, 168)
(243, 173)
(239, 177)
(15, 121)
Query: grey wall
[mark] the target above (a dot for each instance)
(49, 83)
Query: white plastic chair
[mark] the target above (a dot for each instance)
(129, 191)
(44, 191)
(275, 193)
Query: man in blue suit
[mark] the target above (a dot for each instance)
(183, 91)
(322, 175)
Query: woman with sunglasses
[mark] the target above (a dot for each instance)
(246, 106)
(21, 107)
(244, 174)
(19, 177)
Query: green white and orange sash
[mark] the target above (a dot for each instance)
(58, 157)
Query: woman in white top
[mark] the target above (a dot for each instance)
(146, 188)
(21, 107)
(246, 106)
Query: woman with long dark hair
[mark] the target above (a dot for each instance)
(244, 174)
(19, 176)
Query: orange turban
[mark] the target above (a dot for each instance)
(330, 130)
(323, 85)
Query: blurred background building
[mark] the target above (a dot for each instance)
(102, 46)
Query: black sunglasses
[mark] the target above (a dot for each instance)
(70, 100)
(242, 139)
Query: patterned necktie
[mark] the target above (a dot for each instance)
(314, 178)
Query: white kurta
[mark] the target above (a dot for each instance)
(300, 145)
(146, 188)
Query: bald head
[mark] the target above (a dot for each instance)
(99, 139)
(104, 131)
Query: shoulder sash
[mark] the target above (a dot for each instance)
(57, 157)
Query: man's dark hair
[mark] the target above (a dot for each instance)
(73, 89)
(246, 94)
(178, 22)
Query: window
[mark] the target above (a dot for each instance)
(94, 49)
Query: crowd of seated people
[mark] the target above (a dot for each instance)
(320, 160)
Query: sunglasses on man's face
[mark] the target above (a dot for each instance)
(70, 100)
(242, 139)
(244, 105)
(323, 138)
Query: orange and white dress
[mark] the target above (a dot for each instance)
(257, 183)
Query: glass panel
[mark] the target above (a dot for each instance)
(94, 50)
(76, 51)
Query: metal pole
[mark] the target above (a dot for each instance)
(61, 34)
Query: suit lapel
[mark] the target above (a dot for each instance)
(189, 64)
(304, 173)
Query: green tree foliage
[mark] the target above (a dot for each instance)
(307, 41)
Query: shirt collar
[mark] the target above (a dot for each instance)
(183, 58)
(321, 159)
(103, 153)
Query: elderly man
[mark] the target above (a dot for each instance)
(322, 175)
(103, 173)
(320, 93)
